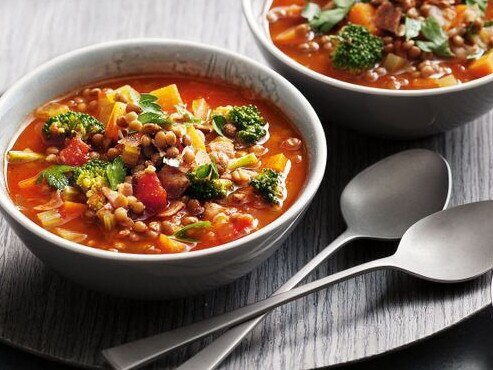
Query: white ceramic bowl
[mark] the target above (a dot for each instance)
(391, 113)
(157, 276)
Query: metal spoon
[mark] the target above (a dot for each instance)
(449, 246)
(381, 202)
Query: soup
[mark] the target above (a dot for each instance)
(156, 164)
(406, 44)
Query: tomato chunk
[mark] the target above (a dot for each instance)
(148, 189)
(75, 153)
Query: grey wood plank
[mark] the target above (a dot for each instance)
(47, 314)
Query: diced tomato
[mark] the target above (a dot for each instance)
(75, 153)
(243, 223)
(148, 189)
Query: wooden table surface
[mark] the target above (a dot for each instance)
(365, 316)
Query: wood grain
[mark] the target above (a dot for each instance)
(47, 314)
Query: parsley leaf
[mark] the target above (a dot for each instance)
(115, 172)
(413, 27)
(488, 23)
(323, 21)
(182, 233)
(218, 123)
(207, 171)
(151, 111)
(310, 10)
(203, 171)
(481, 4)
(55, 176)
(437, 39)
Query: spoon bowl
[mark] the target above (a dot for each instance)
(385, 199)
(450, 246)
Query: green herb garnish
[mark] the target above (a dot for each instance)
(115, 172)
(437, 39)
(218, 123)
(189, 117)
(55, 176)
(480, 4)
(151, 111)
(323, 21)
(413, 27)
(182, 233)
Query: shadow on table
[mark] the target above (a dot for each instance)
(465, 346)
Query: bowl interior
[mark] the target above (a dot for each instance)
(139, 57)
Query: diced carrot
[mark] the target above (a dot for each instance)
(483, 66)
(72, 210)
(200, 108)
(363, 14)
(459, 16)
(291, 36)
(105, 103)
(168, 245)
(195, 138)
(489, 12)
(424, 83)
(168, 97)
(119, 110)
(276, 162)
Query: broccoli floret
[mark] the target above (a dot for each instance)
(92, 175)
(268, 184)
(249, 123)
(356, 49)
(205, 183)
(70, 123)
(206, 189)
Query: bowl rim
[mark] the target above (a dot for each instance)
(269, 45)
(314, 177)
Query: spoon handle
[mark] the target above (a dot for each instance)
(140, 352)
(211, 356)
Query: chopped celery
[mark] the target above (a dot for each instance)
(50, 218)
(249, 160)
(449, 80)
(70, 235)
(393, 63)
(24, 156)
(109, 221)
